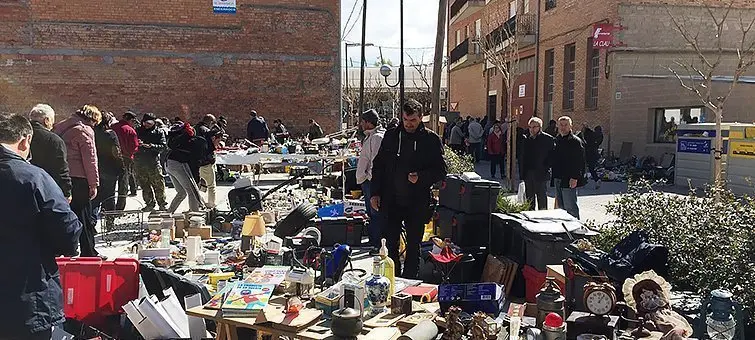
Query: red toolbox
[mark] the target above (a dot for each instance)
(94, 289)
(534, 282)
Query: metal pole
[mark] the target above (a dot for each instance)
(346, 77)
(401, 67)
(361, 66)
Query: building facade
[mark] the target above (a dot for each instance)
(279, 57)
(625, 88)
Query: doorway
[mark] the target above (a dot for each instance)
(492, 102)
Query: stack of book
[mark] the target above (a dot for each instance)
(249, 297)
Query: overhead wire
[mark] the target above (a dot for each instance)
(361, 8)
(349, 19)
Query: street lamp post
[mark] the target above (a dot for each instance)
(386, 71)
(361, 80)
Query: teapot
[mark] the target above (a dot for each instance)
(346, 323)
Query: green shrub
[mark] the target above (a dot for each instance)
(458, 164)
(508, 205)
(710, 237)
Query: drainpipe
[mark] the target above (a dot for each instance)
(537, 61)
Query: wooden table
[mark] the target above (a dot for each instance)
(271, 322)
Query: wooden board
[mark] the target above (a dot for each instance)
(500, 270)
(384, 319)
(275, 314)
(321, 331)
(387, 333)
(410, 321)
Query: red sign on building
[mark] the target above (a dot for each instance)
(602, 36)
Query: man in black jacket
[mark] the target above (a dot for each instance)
(48, 149)
(257, 130)
(409, 162)
(147, 163)
(209, 131)
(568, 166)
(537, 150)
(38, 226)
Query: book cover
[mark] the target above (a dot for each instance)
(268, 275)
(247, 297)
(217, 300)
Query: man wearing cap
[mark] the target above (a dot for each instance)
(129, 143)
(374, 132)
(147, 163)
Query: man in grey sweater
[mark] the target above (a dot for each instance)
(475, 138)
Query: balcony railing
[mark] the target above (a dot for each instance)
(521, 24)
(459, 52)
(458, 5)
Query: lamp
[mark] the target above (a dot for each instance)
(254, 225)
(721, 317)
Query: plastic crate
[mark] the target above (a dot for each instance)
(94, 289)
(449, 195)
(341, 230)
(478, 197)
(465, 230)
(126, 225)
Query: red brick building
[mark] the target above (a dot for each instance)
(279, 57)
(627, 89)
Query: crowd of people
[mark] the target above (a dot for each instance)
(555, 153)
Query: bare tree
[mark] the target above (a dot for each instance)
(713, 48)
(498, 42)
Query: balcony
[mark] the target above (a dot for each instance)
(462, 9)
(521, 26)
(466, 54)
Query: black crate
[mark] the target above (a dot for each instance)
(464, 230)
(341, 230)
(449, 195)
(479, 197)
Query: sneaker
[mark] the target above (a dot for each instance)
(132, 194)
(163, 208)
(148, 209)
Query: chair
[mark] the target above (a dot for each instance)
(446, 260)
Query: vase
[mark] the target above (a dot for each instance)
(378, 289)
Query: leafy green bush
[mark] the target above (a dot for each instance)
(507, 205)
(456, 163)
(710, 237)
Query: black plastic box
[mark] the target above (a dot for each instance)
(464, 230)
(341, 230)
(449, 195)
(479, 197)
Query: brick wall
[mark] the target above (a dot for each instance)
(467, 88)
(278, 57)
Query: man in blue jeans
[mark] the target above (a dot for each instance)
(374, 132)
(568, 166)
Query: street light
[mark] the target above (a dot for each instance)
(361, 66)
(385, 70)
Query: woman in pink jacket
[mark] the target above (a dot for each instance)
(78, 135)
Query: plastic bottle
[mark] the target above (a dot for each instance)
(387, 266)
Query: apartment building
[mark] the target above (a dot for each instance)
(623, 84)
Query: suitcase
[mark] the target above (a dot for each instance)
(94, 289)
(341, 230)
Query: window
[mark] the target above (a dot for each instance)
(466, 31)
(549, 73)
(550, 4)
(570, 54)
(478, 34)
(458, 37)
(526, 6)
(667, 120)
(592, 76)
(512, 9)
(526, 65)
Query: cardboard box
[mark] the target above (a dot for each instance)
(204, 232)
(472, 297)
(557, 271)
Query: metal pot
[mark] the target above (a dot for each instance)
(347, 322)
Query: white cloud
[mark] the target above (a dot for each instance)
(383, 29)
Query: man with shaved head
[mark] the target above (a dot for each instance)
(48, 151)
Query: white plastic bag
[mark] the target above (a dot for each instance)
(521, 197)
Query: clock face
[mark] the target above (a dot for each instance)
(599, 302)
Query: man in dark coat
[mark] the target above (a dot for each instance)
(38, 227)
(48, 149)
(409, 162)
(537, 150)
(147, 165)
(568, 166)
(315, 130)
(257, 130)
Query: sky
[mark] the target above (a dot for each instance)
(420, 25)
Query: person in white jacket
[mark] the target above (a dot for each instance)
(475, 138)
(374, 132)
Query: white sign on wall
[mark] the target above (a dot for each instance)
(224, 6)
(522, 90)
